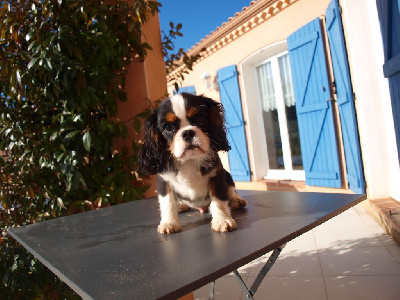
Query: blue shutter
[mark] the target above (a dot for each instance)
(314, 108)
(186, 89)
(345, 98)
(230, 99)
(389, 17)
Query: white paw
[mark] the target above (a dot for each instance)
(169, 228)
(237, 202)
(223, 225)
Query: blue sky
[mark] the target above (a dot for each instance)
(198, 18)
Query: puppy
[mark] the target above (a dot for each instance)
(181, 143)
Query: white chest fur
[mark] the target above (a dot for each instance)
(189, 182)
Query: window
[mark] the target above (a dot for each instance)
(277, 101)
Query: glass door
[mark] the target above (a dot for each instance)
(280, 120)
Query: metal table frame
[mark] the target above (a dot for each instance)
(260, 277)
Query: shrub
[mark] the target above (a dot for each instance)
(62, 67)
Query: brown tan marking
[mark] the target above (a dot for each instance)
(213, 189)
(192, 112)
(169, 190)
(171, 117)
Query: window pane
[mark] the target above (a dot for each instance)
(266, 87)
(286, 78)
(270, 116)
(291, 116)
(294, 138)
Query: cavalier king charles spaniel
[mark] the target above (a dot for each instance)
(181, 143)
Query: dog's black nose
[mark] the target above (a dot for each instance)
(188, 135)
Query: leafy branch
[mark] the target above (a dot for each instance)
(176, 59)
(62, 72)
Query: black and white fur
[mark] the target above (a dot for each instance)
(181, 143)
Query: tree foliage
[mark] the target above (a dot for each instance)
(62, 71)
(177, 62)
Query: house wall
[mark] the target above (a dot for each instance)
(275, 29)
(365, 52)
(373, 104)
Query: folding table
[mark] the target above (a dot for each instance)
(116, 252)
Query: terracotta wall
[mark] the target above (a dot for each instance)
(146, 81)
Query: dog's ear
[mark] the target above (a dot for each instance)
(152, 155)
(217, 131)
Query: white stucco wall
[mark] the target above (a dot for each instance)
(373, 104)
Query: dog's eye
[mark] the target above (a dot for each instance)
(169, 128)
(200, 119)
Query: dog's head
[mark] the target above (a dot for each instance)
(183, 127)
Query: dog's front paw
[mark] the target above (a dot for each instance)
(169, 228)
(223, 225)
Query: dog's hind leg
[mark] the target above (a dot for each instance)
(235, 200)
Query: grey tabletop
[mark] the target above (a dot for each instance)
(116, 252)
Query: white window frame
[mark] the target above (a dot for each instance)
(252, 102)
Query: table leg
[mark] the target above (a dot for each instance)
(264, 271)
(211, 297)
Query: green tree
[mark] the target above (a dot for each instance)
(177, 61)
(62, 71)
